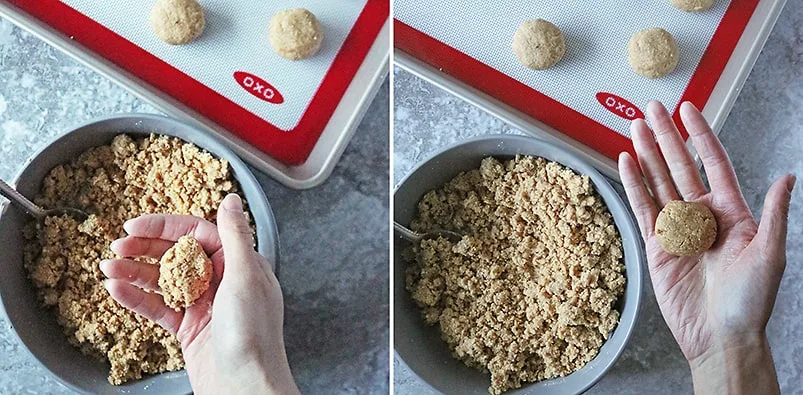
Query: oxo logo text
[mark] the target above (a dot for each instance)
(258, 87)
(619, 106)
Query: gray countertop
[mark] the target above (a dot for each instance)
(334, 238)
(764, 137)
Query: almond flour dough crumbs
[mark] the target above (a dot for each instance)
(184, 273)
(528, 294)
(114, 183)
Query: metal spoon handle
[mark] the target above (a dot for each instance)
(405, 233)
(17, 198)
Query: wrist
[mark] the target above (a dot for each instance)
(735, 365)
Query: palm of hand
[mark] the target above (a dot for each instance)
(728, 290)
(239, 336)
(197, 317)
(195, 334)
(151, 236)
(701, 296)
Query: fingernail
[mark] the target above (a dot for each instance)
(104, 266)
(233, 203)
(115, 245)
(790, 184)
(127, 226)
(688, 104)
(106, 283)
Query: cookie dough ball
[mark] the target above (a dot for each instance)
(653, 53)
(184, 273)
(538, 44)
(686, 228)
(177, 22)
(295, 34)
(693, 5)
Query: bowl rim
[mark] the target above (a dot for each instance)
(243, 172)
(599, 181)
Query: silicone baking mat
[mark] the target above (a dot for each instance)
(230, 74)
(592, 94)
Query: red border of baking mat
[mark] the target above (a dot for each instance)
(291, 147)
(557, 115)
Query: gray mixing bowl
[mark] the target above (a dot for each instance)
(36, 327)
(421, 348)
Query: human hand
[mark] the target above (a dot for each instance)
(716, 304)
(231, 337)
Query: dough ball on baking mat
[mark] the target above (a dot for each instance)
(653, 53)
(693, 5)
(177, 22)
(295, 34)
(538, 44)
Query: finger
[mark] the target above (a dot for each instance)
(217, 267)
(235, 235)
(717, 164)
(172, 227)
(148, 305)
(141, 274)
(718, 167)
(132, 246)
(681, 164)
(640, 200)
(652, 164)
(774, 217)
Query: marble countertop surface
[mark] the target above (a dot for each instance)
(764, 137)
(334, 238)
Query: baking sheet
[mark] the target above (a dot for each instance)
(590, 105)
(596, 40)
(235, 39)
(300, 158)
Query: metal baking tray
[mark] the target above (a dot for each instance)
(715, 111)
(328, 148)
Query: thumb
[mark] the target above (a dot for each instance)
(772, 228)
(235, 234)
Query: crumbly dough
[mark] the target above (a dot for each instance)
(177, 22)
(529, 292)
(114, 183)
(184, 273)
(653, 53)
(693, 5)
(295, 34)
(538, 44)
(686, 228)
